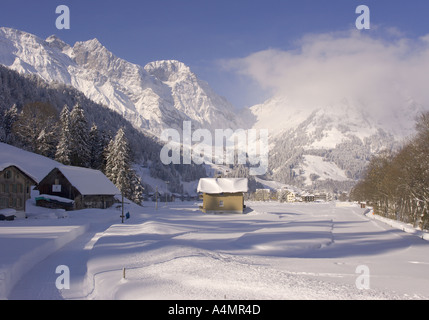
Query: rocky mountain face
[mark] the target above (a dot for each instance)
(157, 96)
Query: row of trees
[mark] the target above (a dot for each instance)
(396, 184)
(78, 145)
(83, 147)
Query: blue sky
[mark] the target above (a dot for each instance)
(202, 33)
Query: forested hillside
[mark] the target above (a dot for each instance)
(31, 112)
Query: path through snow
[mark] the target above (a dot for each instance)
(275, 251)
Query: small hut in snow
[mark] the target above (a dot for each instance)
(86, 188)
(223, 195)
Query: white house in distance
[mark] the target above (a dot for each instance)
(223, 195)
(291, 196)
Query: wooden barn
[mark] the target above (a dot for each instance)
(87, 188)
(223, 195)
(15, 187)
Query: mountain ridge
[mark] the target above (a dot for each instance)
(134, 91)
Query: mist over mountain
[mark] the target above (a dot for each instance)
(338, 98)
(328, 147)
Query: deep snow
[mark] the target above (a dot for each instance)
(274, 251)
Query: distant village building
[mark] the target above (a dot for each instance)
(223, 195)
(15, 187)
(321, 196)
(291, 196)
(86, 188)
(285, 195)
(307, 197)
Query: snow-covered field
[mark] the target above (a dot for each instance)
(274, 251)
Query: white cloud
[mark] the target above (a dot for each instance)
(381, 71)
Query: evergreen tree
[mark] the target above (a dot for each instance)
(119, 168)
(137, 188)
(109, 169)
(34, 122)
(96, 146)
(63, 148)
(9, 118)
(2, 134)
(118, 162)
(47, 142)
(106, 139)
(79, 138)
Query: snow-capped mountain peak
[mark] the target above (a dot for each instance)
(160, 95)
(169, 70)
(57, 43)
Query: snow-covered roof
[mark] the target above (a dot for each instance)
(4, 166)
(222, 185)
(35, 165)
(89, 181)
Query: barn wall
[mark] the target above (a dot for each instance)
(67, 190)
(226, 202)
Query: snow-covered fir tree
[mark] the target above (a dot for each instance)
(119, 168)
(2, 134)
(136, 188)
(63, 148)
(6, 124)
(96, 148)
(35, 121)
(79, 138)
(47, 142)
